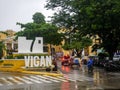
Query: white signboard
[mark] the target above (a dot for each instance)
(36, 61)
(30, 46)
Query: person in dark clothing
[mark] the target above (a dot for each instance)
(90, 65)
(55, 65)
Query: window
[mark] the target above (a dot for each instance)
(39, 41)
(45, 48)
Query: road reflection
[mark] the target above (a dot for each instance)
(74, 79)
(65, 68)
(65, 86)
(96, 78)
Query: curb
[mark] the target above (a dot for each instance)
(43, 73)
(55, 74)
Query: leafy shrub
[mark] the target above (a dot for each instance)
(21, 56)
(10, 57)
(1, 61)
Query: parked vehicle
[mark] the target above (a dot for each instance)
(100, 62)
(116, 58)
(94, 57)
(75, 61)
(65, 60)
(112, 66)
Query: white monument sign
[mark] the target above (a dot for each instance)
(30, 46)
(36, 61)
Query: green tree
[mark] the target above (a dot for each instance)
(90, 17)
(2, 47)
(50, 34)
(38, 18)
(78, 45)
(48, 31)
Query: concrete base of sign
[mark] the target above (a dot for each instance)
(18, 66)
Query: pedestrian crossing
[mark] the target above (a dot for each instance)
(77, 77)
(38, 79)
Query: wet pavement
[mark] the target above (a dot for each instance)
(98, 80)
(73, 79)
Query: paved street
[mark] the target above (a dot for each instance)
(73, 79)
(25, 82)
(98, 80)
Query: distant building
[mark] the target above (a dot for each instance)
(3, 36)
(12, 46)
(96, 40)
(8, 38)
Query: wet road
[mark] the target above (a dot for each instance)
(98, 80)
(74, 79)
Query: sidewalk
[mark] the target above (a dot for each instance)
(26, 71)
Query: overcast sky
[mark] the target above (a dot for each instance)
(12, 11)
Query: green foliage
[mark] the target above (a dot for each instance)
(90, 17)
(2, 47)
(3, 32)
(40, 28)
(21, 56)
(1, 61)
(50, 34)
(78, 45)
(67, 46)
(10, 57)
(86, 42)
(38, 18)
